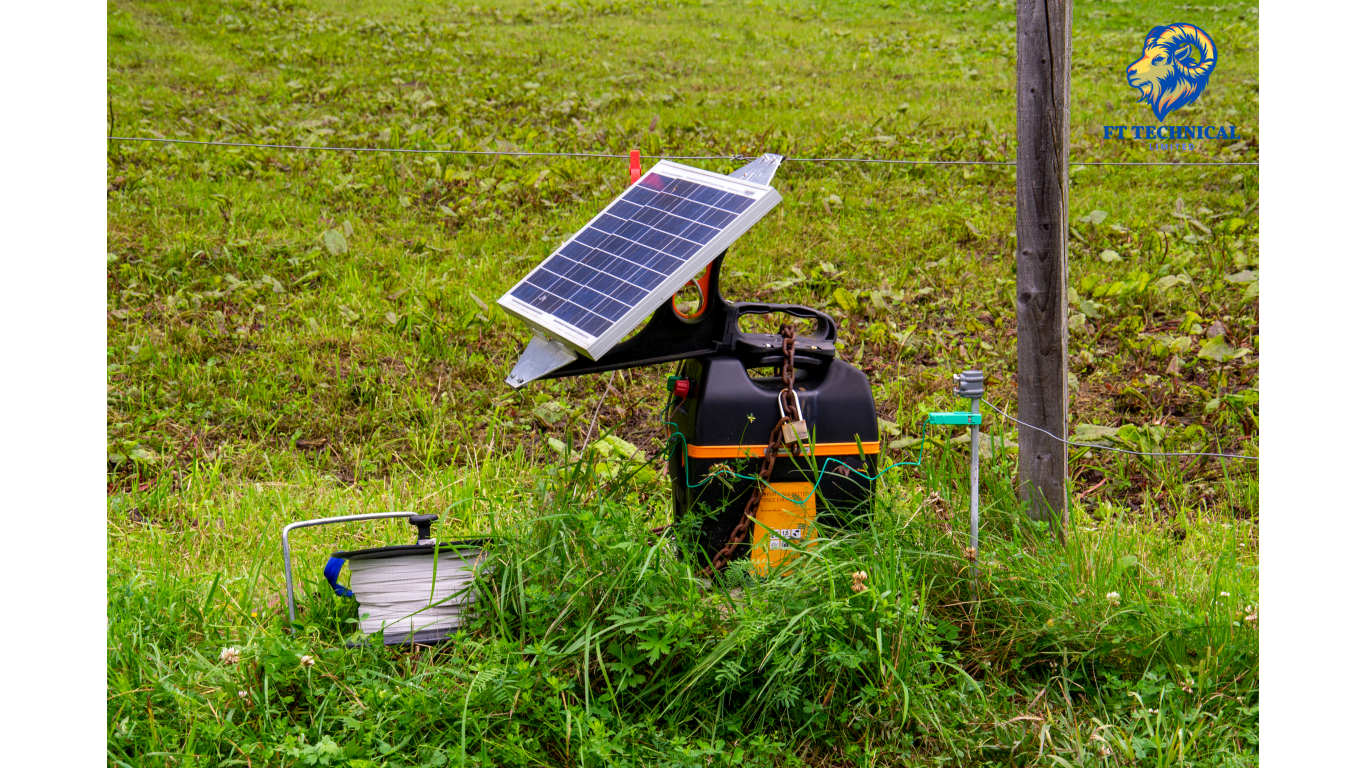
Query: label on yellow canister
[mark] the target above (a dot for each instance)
(785, 521)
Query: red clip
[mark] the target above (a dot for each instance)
(681, 388)
(635, 166)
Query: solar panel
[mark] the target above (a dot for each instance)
(630, 258)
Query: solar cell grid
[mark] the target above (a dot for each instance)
(643, 239)
(629, 249)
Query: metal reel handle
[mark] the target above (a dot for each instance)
(284, 535)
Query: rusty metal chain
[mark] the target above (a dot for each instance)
(740, 534)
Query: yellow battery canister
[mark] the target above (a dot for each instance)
(784, 523)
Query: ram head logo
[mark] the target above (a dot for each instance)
(1176, 65)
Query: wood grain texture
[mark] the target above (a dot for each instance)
(1043, 67)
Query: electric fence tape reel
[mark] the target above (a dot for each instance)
(409, 593)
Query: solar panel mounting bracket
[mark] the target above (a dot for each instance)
(761, 169)
(542, 355)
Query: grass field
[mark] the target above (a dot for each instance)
(296, 334)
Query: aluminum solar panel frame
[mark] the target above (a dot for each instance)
(629, 259)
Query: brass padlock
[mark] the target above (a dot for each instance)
(794, 432)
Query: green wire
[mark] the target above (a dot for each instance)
(920, 456)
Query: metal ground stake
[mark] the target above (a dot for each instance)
(970, 385)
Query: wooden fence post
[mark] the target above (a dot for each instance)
(1043, 69)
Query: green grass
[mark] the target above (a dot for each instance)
(595, 645)
(260, 373)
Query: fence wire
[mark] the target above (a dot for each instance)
(734, 158)
(613, 156)
(1116, 450)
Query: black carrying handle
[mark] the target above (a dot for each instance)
(759, 350)
(825, 324)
